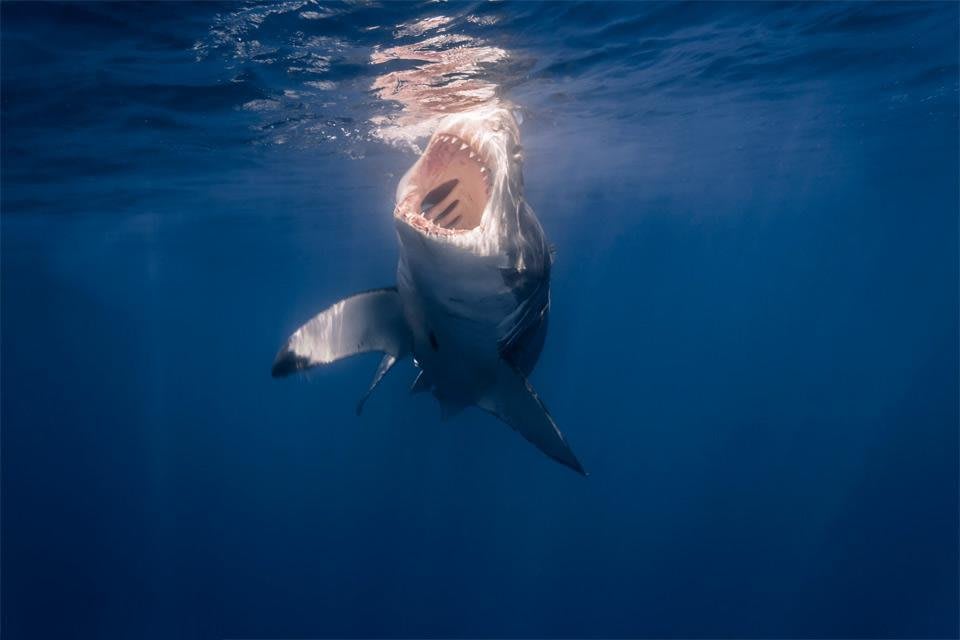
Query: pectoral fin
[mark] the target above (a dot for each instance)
(422, 383)
(514, 401)
(369, 321)
(385, 365)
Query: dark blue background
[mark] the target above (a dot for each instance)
(753, 346)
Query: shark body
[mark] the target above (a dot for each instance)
(472, 297)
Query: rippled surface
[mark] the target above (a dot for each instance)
(753, 342)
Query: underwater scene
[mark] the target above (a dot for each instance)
(479, 319)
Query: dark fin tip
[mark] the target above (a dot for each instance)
(288, 362)
(576, 466)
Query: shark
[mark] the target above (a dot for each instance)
(472, 295)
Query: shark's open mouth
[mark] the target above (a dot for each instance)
(448, 189)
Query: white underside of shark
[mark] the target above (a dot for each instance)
(473, 285)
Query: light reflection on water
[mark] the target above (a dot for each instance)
(441, 70)
(448, 78)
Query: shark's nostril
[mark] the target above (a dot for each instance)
(437, 195)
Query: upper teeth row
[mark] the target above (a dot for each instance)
(463, 146)
(454, 140)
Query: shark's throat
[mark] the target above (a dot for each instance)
(448, 188)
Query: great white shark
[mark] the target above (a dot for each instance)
(473, 285)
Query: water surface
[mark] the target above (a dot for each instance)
(753, 343)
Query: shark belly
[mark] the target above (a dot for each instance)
(455, 304)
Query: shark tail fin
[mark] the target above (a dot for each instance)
(513, 400)
(368, 321)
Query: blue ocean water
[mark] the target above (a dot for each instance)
(753, 344)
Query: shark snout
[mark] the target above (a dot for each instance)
(469, 159)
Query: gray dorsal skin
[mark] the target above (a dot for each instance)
(473, 286)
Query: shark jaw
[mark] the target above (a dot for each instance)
(473, 279)
(466, 178)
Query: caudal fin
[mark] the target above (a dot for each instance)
(514, 401)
